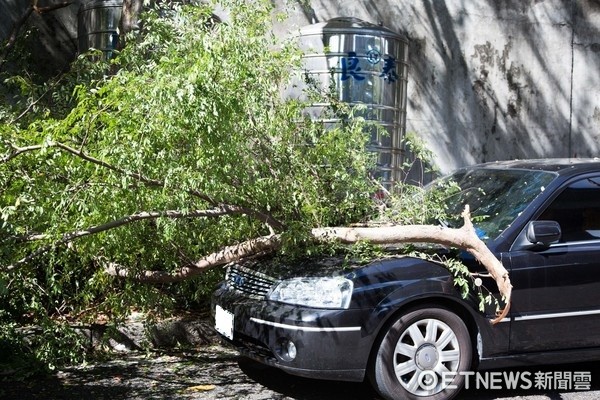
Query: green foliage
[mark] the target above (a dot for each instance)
(26, 352)
(189, 116)
(416, 204)
(363, 252)
(413, 203)
(464, 280)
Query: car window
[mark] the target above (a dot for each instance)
(577, 210)
(495, 196)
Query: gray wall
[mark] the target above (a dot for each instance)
(56, 45)
(488, 79)
(491, 79)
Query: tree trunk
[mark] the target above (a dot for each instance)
(247, 249)
(129, 19)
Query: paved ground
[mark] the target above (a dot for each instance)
(215, 372)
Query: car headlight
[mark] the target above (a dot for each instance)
(327, 292)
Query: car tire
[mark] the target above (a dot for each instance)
(421, 356)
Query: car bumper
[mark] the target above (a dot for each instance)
(328, 344)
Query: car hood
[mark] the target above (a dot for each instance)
(278, 268)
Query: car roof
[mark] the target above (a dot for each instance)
(561, 166)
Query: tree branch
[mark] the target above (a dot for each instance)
(33, 103)
(173, 214)
(229, 254)
(17, 151)
(262, 216)
(464, 238)
(71, 236)
(42, 10)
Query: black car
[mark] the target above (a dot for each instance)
(401, 321)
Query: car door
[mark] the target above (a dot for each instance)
(556, 290)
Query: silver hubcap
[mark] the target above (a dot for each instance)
(426, 357)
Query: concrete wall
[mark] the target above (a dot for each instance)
(55, 44)
(488, 79)
(491, 79)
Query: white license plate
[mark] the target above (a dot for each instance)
(224, 322)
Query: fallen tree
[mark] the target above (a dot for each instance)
(463, 238)
(122, 187)
(122, 153)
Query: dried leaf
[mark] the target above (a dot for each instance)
(200, 388)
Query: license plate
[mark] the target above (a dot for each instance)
(224, 322)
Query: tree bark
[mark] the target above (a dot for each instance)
(235, 253)
(129, 19)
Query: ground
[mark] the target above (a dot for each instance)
(217, 372)
(207, 369)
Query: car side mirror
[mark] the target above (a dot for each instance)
(543, 233)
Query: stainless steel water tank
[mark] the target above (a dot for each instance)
(366, 64)
(98, 24)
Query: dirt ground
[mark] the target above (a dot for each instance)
(217, 372)
(212, 372)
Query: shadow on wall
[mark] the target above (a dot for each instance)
(52, 41)
(488, 80)
(10, 12)
(493, 80)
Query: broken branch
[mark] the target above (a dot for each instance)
(229, 254)
(464, 238)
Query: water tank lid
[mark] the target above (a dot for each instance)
(87, 5)
(349, 25)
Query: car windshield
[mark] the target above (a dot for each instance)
(495, 196)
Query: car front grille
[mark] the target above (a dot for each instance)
(248, 281)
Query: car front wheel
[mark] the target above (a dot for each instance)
(422, 355)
